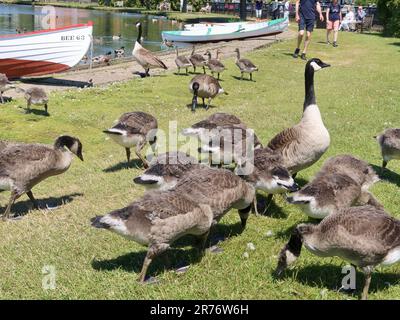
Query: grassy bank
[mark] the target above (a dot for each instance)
(173, 15)
(358, 97)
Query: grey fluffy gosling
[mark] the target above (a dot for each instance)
(22, 166)
(245, 65)
(389, 142)
(182, 62)
(365, 236)
(5, 85)
(215, 65)
(134, 129)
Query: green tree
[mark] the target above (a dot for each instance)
(389, 13)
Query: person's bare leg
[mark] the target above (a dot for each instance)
(335, 35)
(328, 33)
(300, 38)
(307, 42)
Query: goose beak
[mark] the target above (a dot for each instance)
(293, 188)
(80, 156)
(324, 65)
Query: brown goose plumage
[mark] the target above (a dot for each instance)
(166, 169)
(197, 60)
(245, 65)
(389, 142)
(182, 62)
(5, 85)
(215, 65)
(143, 56)
(134, 129)
(204, 86)
(365, 236)
(36, 96)
(22, 166)
(159, 218)
(303, 144)
(343, 181)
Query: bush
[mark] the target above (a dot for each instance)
(389, 12)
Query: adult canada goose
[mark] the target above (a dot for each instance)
(143, 56)
(202, 128)
(204, 86)
(389, 141)
(303, 144)
(5, 85)
(35, 96)
(343, 181)
(165, 170)
(22, 166)
(134, 129)
(215, 65)
(182, 62)
(266, 173)
(245, 65)
(365, 236)
(161, 217)
(119, 53)
(197, 60)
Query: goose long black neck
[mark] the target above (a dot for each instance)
(309, 83)
(139, 34)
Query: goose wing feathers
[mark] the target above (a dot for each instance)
(145, 57)
(136, 122)
(245, 64)
(391, 138)
(285, 139)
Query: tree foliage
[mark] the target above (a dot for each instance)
(389, 11)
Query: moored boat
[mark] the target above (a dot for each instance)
(228, 31)
(45, 51)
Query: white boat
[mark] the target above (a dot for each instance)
(228, 31)
(200, 25)
(45, 51)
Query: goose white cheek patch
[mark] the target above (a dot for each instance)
(315, 66)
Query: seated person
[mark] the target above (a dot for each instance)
(347, 23)
(360, 15)
(207, 8)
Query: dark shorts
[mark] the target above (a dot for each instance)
(307, 24)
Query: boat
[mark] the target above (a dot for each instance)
(228, 31)
(207, 24)
(45, 51)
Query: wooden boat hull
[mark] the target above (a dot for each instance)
(227, 32)
(44, 52)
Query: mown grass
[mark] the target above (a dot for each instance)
(358, 97)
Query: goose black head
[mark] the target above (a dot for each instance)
(71, 143)
(316, 64)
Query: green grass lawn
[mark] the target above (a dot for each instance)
(358, 97)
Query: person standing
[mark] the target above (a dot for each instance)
(286, 9)
(305, 16)
(333, 18)
(274, 9)
(259, 5)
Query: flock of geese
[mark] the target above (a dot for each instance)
(188, 197)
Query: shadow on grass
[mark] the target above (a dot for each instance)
(387, 175)
(133, 164)
(174, 257)
(49, 81)
(21, 208)
(38, 112)
(270, 209)
(244, 79)
(200, 106)
(6, 99)
(330, 277)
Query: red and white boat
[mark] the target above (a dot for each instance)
(45, 51)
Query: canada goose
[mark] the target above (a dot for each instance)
(182, 62)
(118, 37)
(389, 141)
(215, 65)
(342, 182)
(245, 65)
(197, 60)
(169, 44)
(25, 165)
(303, 144)
(165, 170)
(365, 236)
(204, 86)
(266, 173)
(35, 96)
(134, 129)
(143, 56)
(119, 53)
(161, 217)
(5, 85)
(219, 119)
(103, 58)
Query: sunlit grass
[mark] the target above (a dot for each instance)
(358, 97)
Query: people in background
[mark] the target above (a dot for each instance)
(259, 5)
(274, 9)
(333, 18)
(286, 9)
(360, 14)
(348, 21)
(305, 16)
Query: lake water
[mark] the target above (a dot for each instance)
(105, 25)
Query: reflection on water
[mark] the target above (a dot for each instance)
(106, 25)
